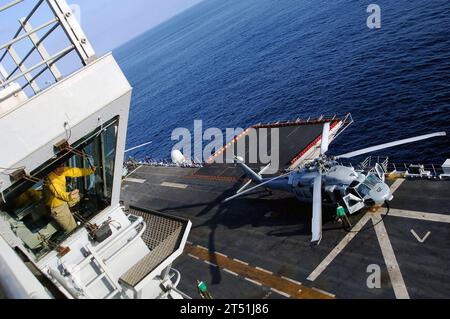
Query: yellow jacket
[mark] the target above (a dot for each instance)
(56, 186)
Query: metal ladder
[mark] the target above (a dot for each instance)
(94, 258)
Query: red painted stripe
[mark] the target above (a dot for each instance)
(313, 144)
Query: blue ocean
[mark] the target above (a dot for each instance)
(237, 63)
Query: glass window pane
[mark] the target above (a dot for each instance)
(70, 192)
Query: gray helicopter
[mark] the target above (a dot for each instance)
(324, 176)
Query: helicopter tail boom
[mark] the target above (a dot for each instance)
(256, 178)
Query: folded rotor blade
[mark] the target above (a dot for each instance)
(317, 211)
(325, 139)
(138, 147)
(389, 145)
(256, 187)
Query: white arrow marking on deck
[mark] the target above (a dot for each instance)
(385, 244)
(421, 240)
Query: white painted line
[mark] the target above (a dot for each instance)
(135, 180)
(263, 270)
(240, 261)
(420, 240)
(174, 185)
(190, 243)
(281, 293)
(324, 292)
(338, 249)
(210, 263)
(134, 171)
(293, 281)
(192, 256)
(201, 247)
(220, 254)
(230, 272)
(253, 282)
(397, 185)
(420, 216)
(390, 260)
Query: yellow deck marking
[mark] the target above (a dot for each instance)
(286, 287)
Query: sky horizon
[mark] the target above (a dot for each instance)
(108, 24)
(125, 22)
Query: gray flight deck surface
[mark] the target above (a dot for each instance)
(272, 232)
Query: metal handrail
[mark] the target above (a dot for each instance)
(34, 48)
(62, 18)
(28, 17)
(58, 56)
(10, 5)
(27, 34)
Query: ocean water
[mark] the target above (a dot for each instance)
(236, 63)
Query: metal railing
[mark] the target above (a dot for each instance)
(58, 16)
(405, 169)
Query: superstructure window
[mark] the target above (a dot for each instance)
(64, 193)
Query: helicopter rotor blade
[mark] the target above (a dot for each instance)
(256, 187)
(325, 139)
(389, 145)
(317, 211)
(138, 147)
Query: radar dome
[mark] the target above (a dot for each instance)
(178, 158)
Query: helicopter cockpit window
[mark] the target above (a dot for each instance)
(363, 190)
(79, 184)
(372, 180)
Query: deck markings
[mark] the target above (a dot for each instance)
(420, 240)
(438, 218)
(251, 274)
(254, 282)
(264, 270)
(324, 292)
(192, 256)
(135, 180)
(389, 257)
(292, 280)
(240, 261)
(139, 167)
(397, 185)
(210, 263)
(174, 185)
(338, 249)
(281, 293)
(385, 244)
(230, 272)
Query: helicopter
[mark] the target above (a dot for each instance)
(324, 176)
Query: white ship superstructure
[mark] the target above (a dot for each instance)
(61, 104)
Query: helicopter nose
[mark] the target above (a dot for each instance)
(386, 189)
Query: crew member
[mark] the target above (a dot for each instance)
(203, 290)
(59, 200)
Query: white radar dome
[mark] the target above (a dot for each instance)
(177, 157)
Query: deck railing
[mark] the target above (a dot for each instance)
(31, 44)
